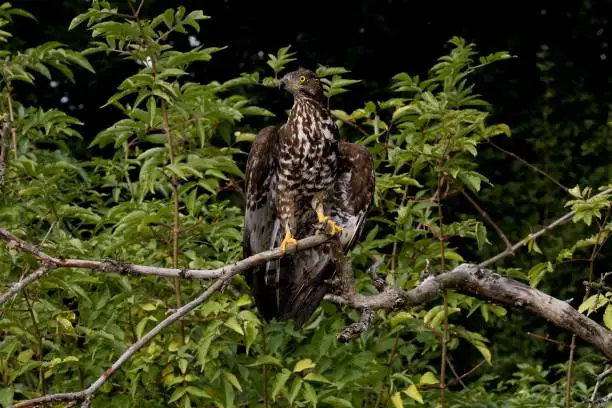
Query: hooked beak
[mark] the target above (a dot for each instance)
(285, 83)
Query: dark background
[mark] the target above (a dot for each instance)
(373, 39)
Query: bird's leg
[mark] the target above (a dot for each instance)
(317, 205)
(289, 239)
(287, 216)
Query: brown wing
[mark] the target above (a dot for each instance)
(353, 191)
(261, 226)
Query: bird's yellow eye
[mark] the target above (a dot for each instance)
(302, 79)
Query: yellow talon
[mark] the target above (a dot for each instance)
(332, 225)
(287, 240)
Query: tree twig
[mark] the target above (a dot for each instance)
(457, 378)
(19, 286)
(600, 378)
(4, 147)
(492, 223)
(9, 98)
(175, 212)
(559, 221)
(531, 166)
(355, 329)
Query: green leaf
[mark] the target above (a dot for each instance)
(396, 399)
(281, 380)
(537, 272)
(183, 363)
(607, 317)
(6, 395)
(303, 365)
(25, 356)
(152, 109)
(266, 360)
(316, 378)
(337, 402)
(593, 303)
(233, 380)
(575, 191)
(413, 392)
(233, 324)
(484, 350)
(428, 378)
(255, 111)
(229, 393)
(310, 394)
(197, 392)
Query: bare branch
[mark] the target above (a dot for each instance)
(470, 279)
(111, 266)
(600, 378)
(559, 221)
(19, 286)
(484, 215)
(355, 329)
(4, 147)
(531, 166)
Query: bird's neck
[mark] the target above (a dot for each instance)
(302, 104)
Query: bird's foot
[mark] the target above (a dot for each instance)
(286, 241)
(333, 227)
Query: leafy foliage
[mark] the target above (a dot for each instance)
(163, 188)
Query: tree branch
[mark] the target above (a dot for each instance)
(4, 147)
(470, 279)
(531, 166)
(19, 286)
(113, 266)
(486, 216)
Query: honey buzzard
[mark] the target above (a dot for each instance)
(298, 178)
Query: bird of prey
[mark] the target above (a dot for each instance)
(301, 177)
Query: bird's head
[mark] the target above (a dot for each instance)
(303, 83)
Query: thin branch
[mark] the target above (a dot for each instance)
(457, 378)
(472, 370)
(600, 378)
(559, 221)
(175, 211)
(568, 385)
(19, 286)
(548, 339)
(492, 223)
(355, 329)
(9, 98)
(531, 166)
(144, 340)
(4, 147)
(112, 266)
(354, 125)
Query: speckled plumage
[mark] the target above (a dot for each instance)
(286, 168)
